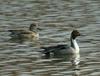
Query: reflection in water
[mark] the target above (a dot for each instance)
(73, 58)
(22, 40)
(55, 17)
(76, 73)
(14, 73)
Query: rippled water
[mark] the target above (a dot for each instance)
(56, 18)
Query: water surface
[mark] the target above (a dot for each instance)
(56, 18)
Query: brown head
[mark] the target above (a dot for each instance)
(74, 34)
(33, 27)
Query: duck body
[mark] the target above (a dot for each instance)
(61, 49)
(64, 48)
(21, 33)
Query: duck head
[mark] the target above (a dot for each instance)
(74, 34)
(33, 27)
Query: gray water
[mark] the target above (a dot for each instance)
(56, 18)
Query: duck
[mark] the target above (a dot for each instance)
(29, 33)
(61, 49)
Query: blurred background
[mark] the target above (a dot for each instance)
(56, 18)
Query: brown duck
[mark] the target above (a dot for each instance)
(30, 33)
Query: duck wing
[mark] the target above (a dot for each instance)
(20, 31)
(54, 48)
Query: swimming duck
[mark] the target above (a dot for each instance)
(31, 33)
(62, 48)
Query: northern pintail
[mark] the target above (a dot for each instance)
(21, 33)
(64, 49)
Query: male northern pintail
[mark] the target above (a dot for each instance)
(21, 33)
(64, 49)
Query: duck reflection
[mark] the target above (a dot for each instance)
(22, 40)
(76, 73)
(73, 58)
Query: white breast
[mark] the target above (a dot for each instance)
(76, 47)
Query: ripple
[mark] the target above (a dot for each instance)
(57, 19)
